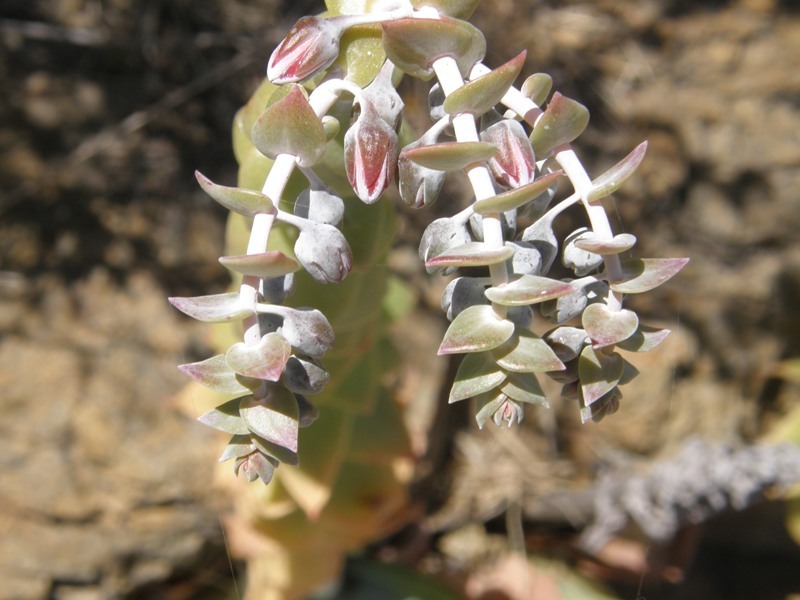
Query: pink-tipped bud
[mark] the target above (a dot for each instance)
(309, 47)
(370, 155)
(514, 163)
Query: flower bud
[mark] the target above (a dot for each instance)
(324, 252)
(370, 154)
(309, 47)
(320, 206)
(514, 163)
(418, 185)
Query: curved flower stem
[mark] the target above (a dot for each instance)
(449, 77)
(598, 218)
(273, 188)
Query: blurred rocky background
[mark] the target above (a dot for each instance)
(106, 110)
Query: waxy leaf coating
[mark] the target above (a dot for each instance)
(610, 181)
(563, 121)
(471, 254)
(450, 156)
(478, 373)
(528, 289)
(481, 94)
(413, 45)
(644, 274)
(248, 203)
(264, 265)
(476, 329)
(290, 126)
(215, 374)
(517, 197)
(607, 327)
(225, 417)
(537, 87)
(645, 339)
(275, 419)
(524, 387)
(525, 352)
(599, 373)
(215, 308)
(591, 242)
(264, 360)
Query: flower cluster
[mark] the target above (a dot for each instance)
(513, 144)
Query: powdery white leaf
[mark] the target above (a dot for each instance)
(528, 289)
(214, 373)
(215, 308)
(225, 417)
(275, 418)
(599, 373)
(471, 254)
(607, 327)
(591, 242)
(264, 360)
(526, 352)
(264, 265)
(476, 329)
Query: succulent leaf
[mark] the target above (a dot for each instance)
(481, 94)
(450, 156)
(610, 181)
(644, 274)
(275, 418)
(214, 373)
(239, 200)
(290, 126)
(264, 265)
(591, 242)
(644, 339)
(563, 121)
(537, 87)
(414, 44)
(599, 373)
(263, 360)
(471, 254)
(478, 373)
(476, 329)
(607, 327)
(526, 352)
(215, 308)
(226, 418)
(460, 9)
(517, 197)
(528, 289)
(524, 387)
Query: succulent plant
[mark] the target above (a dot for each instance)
(322, 136)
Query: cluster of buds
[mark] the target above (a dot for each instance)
(513, 144)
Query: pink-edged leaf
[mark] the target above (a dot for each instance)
(607, 327)
(471, 254)
(478, 373)
(225, 417)
(528, 289)
(517, 197)
(413, 45)
(290, 126)
(370, 155)
(644, 274)
(216, 308)
(537, 87)
(591, 242)
(450, 156)
(524, 387)
(239, 200)
(599, 373)
(256, 466)
(264, 360)
(563, 121)
(311, 45)
(513, 164)
(264, 265)
(566, 342)
(644, 340)
(214, 373)
(481, 94)
(275, 419)
(476, 329)
(610, 181)
(526, 352)
(307, 329)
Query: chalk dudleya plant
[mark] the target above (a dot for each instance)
(515, 145)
